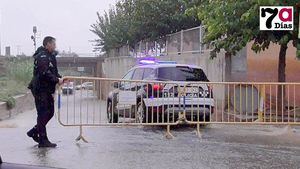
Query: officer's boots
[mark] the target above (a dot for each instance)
(33, 134)
(44, 142)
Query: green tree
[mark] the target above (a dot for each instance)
(131, 21)
(231, 24)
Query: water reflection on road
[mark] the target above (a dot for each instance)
(146, 147)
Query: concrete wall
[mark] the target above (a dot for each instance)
(239, 66)
(92, 65)
(23, 103)
(116, 67)
(263, 66)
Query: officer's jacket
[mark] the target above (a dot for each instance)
(45, 74)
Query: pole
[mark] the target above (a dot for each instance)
(298, 40)
(0, 33)
(298, 5)
(0, 40)
(33, 37)
(298, 10)
(34, 41)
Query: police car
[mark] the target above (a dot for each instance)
(151, 102)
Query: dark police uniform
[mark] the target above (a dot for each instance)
(42, 86)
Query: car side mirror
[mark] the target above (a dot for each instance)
(116, 85)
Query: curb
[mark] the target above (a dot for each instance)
(24, 102)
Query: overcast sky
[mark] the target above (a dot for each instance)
(67, 20)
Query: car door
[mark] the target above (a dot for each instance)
(123, 87)
(128, 93)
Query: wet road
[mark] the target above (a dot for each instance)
(146, 147)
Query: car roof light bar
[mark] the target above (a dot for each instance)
(151, 61)
(167, 62)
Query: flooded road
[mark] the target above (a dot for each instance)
(221, 146)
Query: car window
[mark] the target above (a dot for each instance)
(138, 74)
(148, 72)
(128, 75)
(181, 73)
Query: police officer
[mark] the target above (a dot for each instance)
(42, 86)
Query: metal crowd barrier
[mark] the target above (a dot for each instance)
(88, 101)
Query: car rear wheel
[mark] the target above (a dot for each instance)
(140, 114)
(111, 117)
(206, 118)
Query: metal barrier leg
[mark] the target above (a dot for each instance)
(169, 135)
(198, 132)
(80, 137)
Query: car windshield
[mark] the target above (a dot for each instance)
(181, 73)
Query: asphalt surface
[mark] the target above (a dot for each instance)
(221, 146)
(21, 166)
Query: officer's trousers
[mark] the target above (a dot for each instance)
(44, 103)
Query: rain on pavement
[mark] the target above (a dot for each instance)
(221, 146)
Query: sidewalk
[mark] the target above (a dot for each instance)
(21, 166)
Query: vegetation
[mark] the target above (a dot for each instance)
(131, 21)
(231, 24)
(18, 75)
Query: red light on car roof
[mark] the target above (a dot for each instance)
(157, 87)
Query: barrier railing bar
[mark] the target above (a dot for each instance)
(288, 88)
(175, 82)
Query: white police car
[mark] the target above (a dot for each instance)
(167, 88)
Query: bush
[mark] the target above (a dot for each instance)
(10, 101)
(19, 74)
(20, 70)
